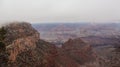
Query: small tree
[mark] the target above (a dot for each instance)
(2, 37)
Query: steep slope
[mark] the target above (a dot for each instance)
(25, 49)
(113, 60)
(80, 52)
(108, 50)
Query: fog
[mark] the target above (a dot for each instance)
(48, 11)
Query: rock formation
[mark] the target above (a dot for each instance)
(81, 52)
(24, 48)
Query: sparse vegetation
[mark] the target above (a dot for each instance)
(2, 37)
(3, 54)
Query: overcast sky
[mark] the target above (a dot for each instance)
(60, 10)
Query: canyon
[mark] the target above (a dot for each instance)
(59, 45)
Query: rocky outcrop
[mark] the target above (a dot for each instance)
(80, 52)
(25, 49)
(20, 30)
(76, 53)
(20, 37)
